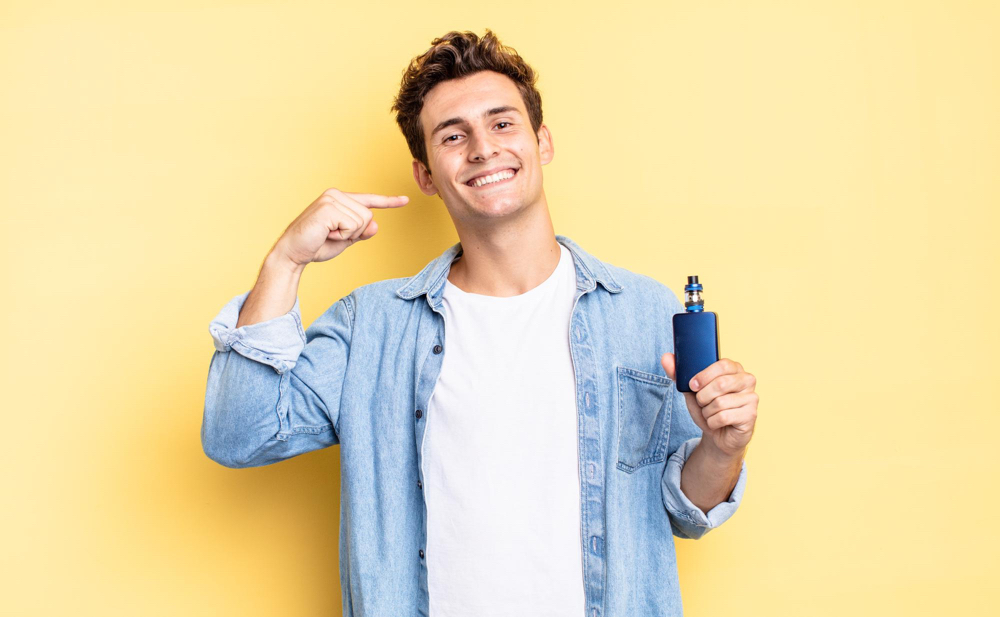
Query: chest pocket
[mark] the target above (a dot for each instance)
(644, 407)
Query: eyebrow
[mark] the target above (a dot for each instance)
(489, 112)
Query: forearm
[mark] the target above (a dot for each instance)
(274, 292)
(708, 477)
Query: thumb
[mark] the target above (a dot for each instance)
(669, 365)
(369, 231)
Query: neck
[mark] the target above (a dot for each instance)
(507, 260)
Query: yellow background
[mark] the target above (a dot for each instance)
(829, 170)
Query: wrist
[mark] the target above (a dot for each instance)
(718, 457)
(277, 261)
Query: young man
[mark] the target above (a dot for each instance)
(512, 440)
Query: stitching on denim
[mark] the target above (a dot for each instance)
(668, 418)
(580, 433)
(606, 278)
(225, 335)
(285, 428)
(284, 421)
(589, 273)
(318, 397)
(255, 354)
(659, 453)
(621, 421)
(680, 512)
(662, 380)
(313, 430)
(349, 305)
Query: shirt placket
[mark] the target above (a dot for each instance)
(429, 359)
(592, 482)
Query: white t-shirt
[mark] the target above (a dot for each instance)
(500, 456)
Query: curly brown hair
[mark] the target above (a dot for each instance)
(452, 56)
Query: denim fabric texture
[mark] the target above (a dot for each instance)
(361, 376)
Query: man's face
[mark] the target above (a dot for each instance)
(479, 125)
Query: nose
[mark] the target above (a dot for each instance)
(482, 147)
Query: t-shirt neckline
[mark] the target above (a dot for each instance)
(552, 278)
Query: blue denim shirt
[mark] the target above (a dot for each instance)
(361, 377)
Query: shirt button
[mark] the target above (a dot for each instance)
(419, 485)
(437, 349)
(421, 553)
(419, 413)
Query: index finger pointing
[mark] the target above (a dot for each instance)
(372, 200)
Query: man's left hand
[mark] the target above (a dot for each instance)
(723, 404)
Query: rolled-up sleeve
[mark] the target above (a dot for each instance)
(274, 389)
(687, 519)
(276, 342)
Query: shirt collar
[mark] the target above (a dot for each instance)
(430, 280)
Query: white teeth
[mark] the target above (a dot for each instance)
(500, 175)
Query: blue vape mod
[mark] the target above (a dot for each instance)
(696, 336)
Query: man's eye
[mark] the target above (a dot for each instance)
(449, 139)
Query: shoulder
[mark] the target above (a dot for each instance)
(378, 292)
(642, 287)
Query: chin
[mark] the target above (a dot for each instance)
(468, 210)
(498, 208)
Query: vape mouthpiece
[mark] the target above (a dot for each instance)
(692, 280)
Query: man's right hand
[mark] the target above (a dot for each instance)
(333, 222)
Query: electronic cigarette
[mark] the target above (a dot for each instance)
(696, 336)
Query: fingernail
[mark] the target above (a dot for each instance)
(694, 384)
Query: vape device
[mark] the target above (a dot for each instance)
(696, 336)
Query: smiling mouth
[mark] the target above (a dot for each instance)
(471, 183)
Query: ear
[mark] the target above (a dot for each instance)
(423, 177)
(546, 149)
